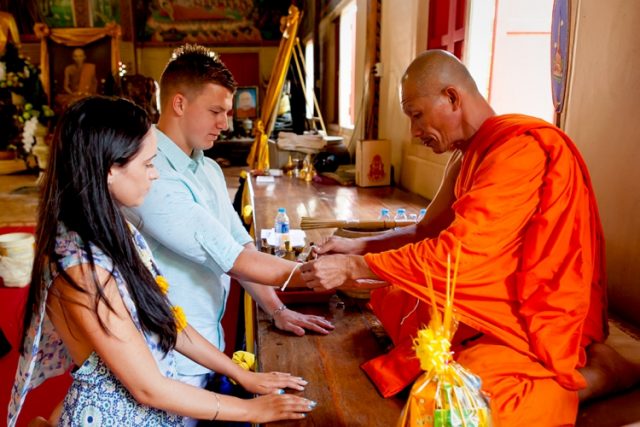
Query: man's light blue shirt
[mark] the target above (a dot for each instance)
(195, 236)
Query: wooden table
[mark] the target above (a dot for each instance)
(331, 364)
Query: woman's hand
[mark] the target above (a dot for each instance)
(269, 382)
(273, 407)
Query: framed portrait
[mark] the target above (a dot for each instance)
(79, 71)
(245, 103)
(77, 62)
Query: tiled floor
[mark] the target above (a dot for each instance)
(19, 192)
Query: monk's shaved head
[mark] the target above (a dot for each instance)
(442, 100)
(433, 71)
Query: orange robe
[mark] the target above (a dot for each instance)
(531, 275)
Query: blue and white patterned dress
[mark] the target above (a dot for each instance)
(96, 397)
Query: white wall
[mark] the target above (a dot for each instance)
(602, 117)
(404, 35)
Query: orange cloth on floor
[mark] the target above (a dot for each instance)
(531, 271)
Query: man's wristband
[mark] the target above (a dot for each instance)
(278, 310)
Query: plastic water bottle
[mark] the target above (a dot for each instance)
(422, 213)
(401, 215)
(281, 228)
(384, 215)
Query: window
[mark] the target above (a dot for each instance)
(309, 79)
(346, 84)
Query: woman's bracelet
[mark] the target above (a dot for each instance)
(278, 311)
(218, 407)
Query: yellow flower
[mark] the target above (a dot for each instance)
(162, 284)
(245, 360)
(181, 319)
(433, 349)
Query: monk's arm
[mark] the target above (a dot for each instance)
(439, 215)
(490, 216)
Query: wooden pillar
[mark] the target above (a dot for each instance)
(372, 57)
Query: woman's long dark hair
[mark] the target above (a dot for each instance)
(93, 135)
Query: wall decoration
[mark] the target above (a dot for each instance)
(101, 12)
(245, 103)
(58, 13)
(560, 34)
(211, 21)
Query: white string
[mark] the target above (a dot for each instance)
(409, 313)
(286, 282)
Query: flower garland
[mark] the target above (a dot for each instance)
(163, 284)
(29, 133)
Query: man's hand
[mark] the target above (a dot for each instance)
(297, 323)
(341, 245)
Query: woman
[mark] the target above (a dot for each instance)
(97, 300)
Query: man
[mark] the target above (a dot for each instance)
(531, 287)
(187, 218)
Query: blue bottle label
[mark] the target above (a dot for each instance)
(282, 227)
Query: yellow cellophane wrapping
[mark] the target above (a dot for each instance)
(446, 395)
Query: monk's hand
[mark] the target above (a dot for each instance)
(339, 245)
(297, 323)
(327, 272)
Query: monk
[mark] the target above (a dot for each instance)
(79, 80)
(531, 287)
(80, 77)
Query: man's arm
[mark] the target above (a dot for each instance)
(439, 215)
(172, 217)
(265, 296)
(176, 221)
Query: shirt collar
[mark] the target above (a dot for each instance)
(176, 157)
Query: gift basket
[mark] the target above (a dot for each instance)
(446, 394)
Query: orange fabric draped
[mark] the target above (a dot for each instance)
(531, 275)
(8, 27)
(87, 82)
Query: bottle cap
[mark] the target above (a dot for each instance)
(384, 211)
(401, 210)
(281, 210)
